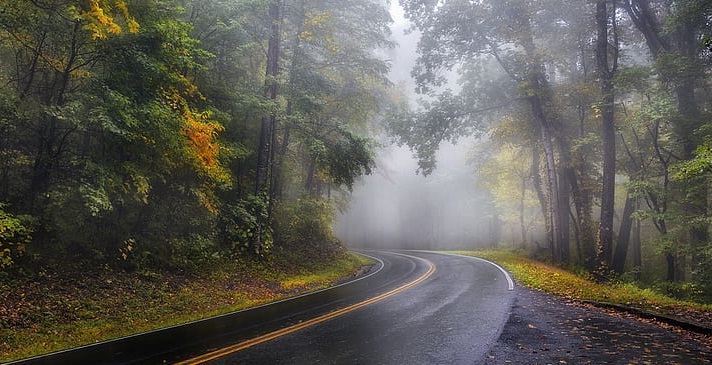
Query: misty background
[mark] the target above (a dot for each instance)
(397, 207)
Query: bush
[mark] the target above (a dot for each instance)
(192, 253)
(15, 234)
(703, 275)
(245, 226)
(679, 290)
(305, 221)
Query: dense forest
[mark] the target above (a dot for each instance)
(597, 123)
(171, 133)
(166, 134)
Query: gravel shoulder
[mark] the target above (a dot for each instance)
(547, 329)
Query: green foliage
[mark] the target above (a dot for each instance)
(128, 128)
(242, 222)
(343, 155)
(700, 165)
(680, 290)
(703, 275)
(15, 235)
(305, 222)
(193, 253)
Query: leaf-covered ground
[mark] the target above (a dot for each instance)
(63, 308)
(554, 280)
(548, 329)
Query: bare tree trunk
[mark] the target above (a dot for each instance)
(565, 213)
(538, 187)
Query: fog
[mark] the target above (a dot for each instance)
(395, 206)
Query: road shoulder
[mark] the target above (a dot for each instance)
(547, 329)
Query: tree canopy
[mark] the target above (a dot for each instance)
(130, 130)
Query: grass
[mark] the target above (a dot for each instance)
(554, 280)
(53, 313)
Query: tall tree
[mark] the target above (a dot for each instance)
(267, 126)
(456, 33)
(606, 73)
(672, 32)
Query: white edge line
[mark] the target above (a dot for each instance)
(380, 262)
(510, 282)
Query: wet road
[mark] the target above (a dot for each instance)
(411, 308)
(451, 317)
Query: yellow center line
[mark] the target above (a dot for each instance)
(287, 330)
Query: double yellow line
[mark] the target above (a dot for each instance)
(287, 330)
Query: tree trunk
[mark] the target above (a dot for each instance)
(538, 187)
(522, 226)
(637, 248)
(552, 180)
(605, 76)
(621, 251)
(267, 126)
(564, 212)
(683, 41)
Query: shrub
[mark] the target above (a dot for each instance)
(15, 234)
(245, 226)
(305, 221)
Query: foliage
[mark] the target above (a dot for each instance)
(15, 234)
(550, 279)
(703, 273)
(240, 223)
(305, 222)
(129, 127)
(700, 165)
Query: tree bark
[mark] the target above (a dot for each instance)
(605, 78)
(552, 183)
(621, 251)
(267, 125)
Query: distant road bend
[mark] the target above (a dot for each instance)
(415, 307)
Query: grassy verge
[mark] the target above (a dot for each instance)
(59, 310)
(550, 279)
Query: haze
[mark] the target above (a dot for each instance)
(396, 206)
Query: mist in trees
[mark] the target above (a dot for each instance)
(168, 134)
(592, 114)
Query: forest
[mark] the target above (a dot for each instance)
(167, 134)
(596, 122)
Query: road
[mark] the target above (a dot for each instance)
(415, 307)
(452, 317)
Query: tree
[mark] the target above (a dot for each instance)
(606, 73)
(671, 31)
(456, 33)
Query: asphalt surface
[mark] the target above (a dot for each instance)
(546, 329)
(453, 317)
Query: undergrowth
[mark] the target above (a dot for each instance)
(579, 286)
(64, 310)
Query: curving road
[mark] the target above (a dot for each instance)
(414, 307)
(452, 317)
